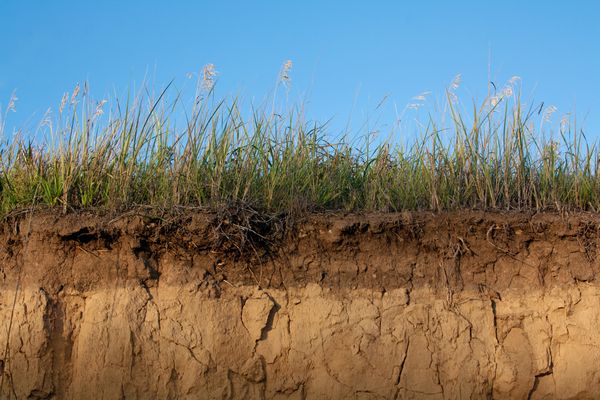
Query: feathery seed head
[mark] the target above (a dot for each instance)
(75, 94)
(456, 82)
(11, 103)
(422, 96)
(63, 102)
(453, 86)
(513, 80)
(208, 77)
(284, 76)
(47, 119)
(494, 101)
(99, 110)
(419, 100)
(548, 113)
(564, 122)
(507, 91)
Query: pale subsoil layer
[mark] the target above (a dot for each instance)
(380, 306)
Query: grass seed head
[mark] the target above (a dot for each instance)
(513, 80)
(99, 111)
(208, 77)
(564, 122)
(47, 119)
(284, 76)
(548, 113)
(75, 94)
(63, 102)
(422, 96)
(494, 100)
(455, 84)
(12, 103)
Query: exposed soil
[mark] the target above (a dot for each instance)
(239, 305)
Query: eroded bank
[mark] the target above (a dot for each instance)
(456, 305)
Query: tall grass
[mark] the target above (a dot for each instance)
(499, 155)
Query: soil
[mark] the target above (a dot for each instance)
(237, 305)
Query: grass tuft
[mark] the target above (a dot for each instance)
(133, 153)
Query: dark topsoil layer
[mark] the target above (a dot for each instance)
(467, 250)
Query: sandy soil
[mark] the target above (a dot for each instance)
(378, 306)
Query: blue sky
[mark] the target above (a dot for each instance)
(347, 55)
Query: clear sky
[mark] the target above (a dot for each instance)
(347, 55)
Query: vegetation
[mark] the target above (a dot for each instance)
(497, 156)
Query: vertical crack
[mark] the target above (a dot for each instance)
(536, 382)
(493, 302)
(410, 283)
(399, 378)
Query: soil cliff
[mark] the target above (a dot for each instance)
(461, 305)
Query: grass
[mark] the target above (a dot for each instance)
(496, 156)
